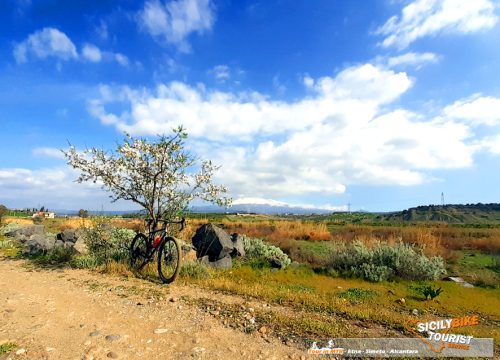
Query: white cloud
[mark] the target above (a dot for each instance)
(221, 73)
(476, 110)
(491, 144)
(48, 42)
(53, 188)
(416, 60)
(278, 86)
(48, 152)
(121, 59)
(52, 42)
(175, 20)
(91, 53)
(347, 131)
(423, 18)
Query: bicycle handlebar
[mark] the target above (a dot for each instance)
(182, 222)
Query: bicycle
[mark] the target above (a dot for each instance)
(144, 247)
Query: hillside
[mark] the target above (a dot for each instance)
(455, 214)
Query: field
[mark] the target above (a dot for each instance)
(326, 303)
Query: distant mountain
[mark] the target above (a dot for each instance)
(454, 214)
(270, 208)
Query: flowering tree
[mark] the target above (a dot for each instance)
(154, 175)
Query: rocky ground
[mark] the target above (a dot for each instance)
(55, 313)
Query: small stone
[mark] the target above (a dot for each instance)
(179, 307)
(160, 331)
(263, 330)
(198, 349)
(87, 343)
(112, 337)
(401, 301)
(414, 312)
(215, 313)
(112, 355)
(149, 341)
(95, 333)
(251, 310)
(252, 321)
(20, 351)
(49, 349)
(173, 299)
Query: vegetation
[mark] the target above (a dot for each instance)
(7, 347)
(83, 213)
(429, 292)
(256, 249)
(327, 288)
(3, 212)
(382, 262)
(463, 214)
(106, 242)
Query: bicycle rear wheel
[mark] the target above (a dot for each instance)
(169, 259)
(138, 252)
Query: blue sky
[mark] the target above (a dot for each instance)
(380, 104)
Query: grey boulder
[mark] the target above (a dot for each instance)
(212, 241)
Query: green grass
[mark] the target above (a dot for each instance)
(8, 248)
(7, 347)
(478, 268)
(476, 259)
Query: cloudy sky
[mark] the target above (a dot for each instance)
(381, 104)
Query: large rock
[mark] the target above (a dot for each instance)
(213, 241)
(68, 236)
(38, 244)
(80, 247)
(238, 245)
(26, 232)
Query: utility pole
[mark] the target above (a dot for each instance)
(349, 207)
(442, 198)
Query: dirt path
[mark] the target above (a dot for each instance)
(77, 314)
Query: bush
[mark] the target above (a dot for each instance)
(9, 227)
(105, 242)
(256, 249)
(383, 261)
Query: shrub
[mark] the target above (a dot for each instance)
(38, 220)
(427, 291)
(9, 227)
(105, 242)
(383, 261)
(256, 249)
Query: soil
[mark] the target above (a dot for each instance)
(63, 313)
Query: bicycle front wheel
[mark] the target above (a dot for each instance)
(138, 252)
(169, 259)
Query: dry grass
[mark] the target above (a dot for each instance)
(17, 220)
